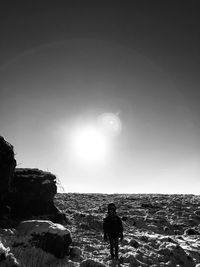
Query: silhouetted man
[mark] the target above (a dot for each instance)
(113, 230)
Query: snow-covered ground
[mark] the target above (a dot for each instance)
(159, 230)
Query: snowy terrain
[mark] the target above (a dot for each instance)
(159, 230)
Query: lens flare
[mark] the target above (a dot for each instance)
(110, 124)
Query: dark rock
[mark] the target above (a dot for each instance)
(2, 256)
(51, 243)
(147, 206)
(7, 167)
(34, 192)
(134, 243)
(177, 232)
(144, 238)
(176, 254)
(89, 221)
(91, 263)
(197, 212)
(75, 254)
(191, 231)
(25, 193)
(6, 257)
(178, 226)
(52, 238)
(166, 229)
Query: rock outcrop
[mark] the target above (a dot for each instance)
(33, 196)
(50, 237)
(25, 192)
(7, 167)
(34, 191)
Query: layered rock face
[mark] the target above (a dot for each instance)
(25, 193)
(34, 191)
(27, 204)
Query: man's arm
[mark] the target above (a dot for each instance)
(121, 229)
(105, 230)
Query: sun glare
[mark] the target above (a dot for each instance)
(90, 145)
(92, 142)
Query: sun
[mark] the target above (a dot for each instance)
(92, 143)
(89, 145)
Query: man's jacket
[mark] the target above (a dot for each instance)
(112, 226)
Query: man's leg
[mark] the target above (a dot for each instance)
(111, 239)
(116, 246)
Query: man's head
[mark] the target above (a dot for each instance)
(111, 208)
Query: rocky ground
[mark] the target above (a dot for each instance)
(159, 230)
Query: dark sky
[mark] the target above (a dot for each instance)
(60, 62)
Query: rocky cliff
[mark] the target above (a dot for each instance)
(7, 167)
(25, 192)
